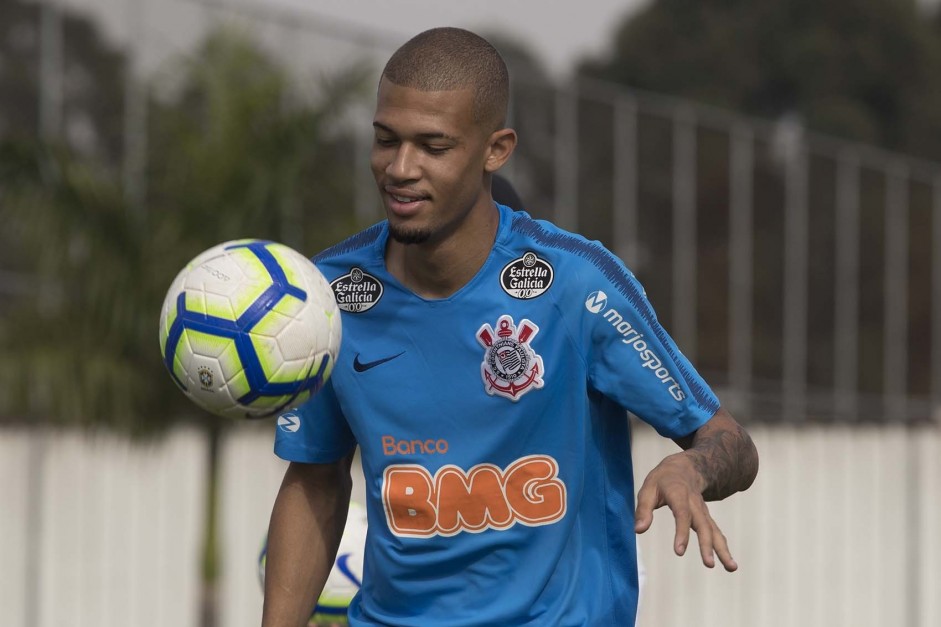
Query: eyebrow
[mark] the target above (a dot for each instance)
(425, 136)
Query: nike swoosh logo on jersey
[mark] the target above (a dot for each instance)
(360, 366)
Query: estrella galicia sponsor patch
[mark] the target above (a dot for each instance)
(526, 277)
(356, 291)
(510, 367)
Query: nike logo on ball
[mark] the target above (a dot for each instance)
(360, 366)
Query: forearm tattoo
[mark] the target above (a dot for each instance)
(726, 458)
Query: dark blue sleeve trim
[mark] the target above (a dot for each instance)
(613, 269)
(360, 240)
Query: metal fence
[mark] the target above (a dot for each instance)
(799, 272)
(796, 269)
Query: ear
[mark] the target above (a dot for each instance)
(501, 145)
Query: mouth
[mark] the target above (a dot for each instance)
(404, 202)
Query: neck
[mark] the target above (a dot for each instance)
(439, 268)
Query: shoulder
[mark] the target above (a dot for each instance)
(544, 235)
(359, 248)
(584, 262)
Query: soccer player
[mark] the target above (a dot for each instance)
(487, 364)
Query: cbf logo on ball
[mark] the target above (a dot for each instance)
(510, 367)
(526, 277)
(356, 291)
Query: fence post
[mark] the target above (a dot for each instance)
(741, 258)
(936, 296)
(625, 180)
(846, 290)
(796, 250)
(895, 295)
(50, 70)
(566, 157)
(684, 231)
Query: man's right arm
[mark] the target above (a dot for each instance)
(303, 536)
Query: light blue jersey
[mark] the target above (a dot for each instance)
(495, 444)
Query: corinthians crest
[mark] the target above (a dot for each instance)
(510, 367)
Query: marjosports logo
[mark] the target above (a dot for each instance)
(417, 504)
(289, 422)
(596, 303)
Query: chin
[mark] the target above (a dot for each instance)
(405, 235)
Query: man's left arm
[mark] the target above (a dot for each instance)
(718, 460)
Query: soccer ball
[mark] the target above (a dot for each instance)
(248, 328)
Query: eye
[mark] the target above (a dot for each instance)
(436, 150)
(385, 141)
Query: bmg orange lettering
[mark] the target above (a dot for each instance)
(528, 491)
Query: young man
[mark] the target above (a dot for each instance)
(487, 363)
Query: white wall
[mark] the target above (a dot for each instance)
(117, 530)
(839, 529)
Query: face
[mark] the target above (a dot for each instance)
(429, 159)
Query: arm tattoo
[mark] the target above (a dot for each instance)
(725, 457)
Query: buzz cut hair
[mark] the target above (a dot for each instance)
(448, 59)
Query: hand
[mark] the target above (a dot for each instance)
(676, 484)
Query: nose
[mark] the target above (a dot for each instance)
(404, 165)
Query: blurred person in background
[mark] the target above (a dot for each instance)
(488, 360)
(345, 578)
(504, 193)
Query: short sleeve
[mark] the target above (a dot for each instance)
(631, 357)
(315, 432)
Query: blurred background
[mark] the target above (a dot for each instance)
(770, 171)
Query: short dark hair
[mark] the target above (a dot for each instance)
(446, 59)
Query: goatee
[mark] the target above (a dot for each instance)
(404, 235)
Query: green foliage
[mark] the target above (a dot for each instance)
(236, 153)
(74, 347)
(866, 71)
(92, 90)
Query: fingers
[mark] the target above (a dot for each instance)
(722, 550)
(712, 542)
(690, 512)
(704, 533)
(684, 521)
(647, 501)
